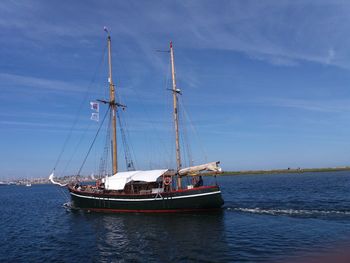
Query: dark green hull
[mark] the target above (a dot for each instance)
(197, 199)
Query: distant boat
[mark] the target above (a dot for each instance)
(3, 184)
(159, 190)
(28, 184)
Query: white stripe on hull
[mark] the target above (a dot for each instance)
(146, 199)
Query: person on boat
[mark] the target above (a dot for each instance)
(167, 182)
(98, 183)
(199, 182)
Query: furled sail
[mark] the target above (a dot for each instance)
(213, 166)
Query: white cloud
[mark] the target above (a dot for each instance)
(326, 106)
(331, 56)
(44, 84)
(280, 32)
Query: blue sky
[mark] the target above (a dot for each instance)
(266, 83)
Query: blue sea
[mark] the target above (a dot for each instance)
(266, 218)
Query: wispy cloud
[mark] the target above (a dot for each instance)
(331, 56)
(275, 59)
(245, 26)
(252, 27)
(37, 114)
(32, 124)
(44, 84)
(49, 51)
(326, 106)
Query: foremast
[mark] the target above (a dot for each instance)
(113, 106)
(176, 116)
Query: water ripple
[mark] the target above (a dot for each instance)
(264, 221)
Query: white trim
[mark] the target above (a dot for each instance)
(146, 199)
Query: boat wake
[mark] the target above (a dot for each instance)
(69, 206)
(291, 212)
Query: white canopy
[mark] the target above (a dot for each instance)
(119, 180)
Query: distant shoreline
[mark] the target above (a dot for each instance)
(286, 171)
(67, 179)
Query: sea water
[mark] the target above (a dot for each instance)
(266, 218)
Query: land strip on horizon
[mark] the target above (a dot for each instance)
(288, 170)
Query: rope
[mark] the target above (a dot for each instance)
(132, 152)
(80, 108)
(155, 132)
(129, 153)
(76, 148)
(103, 163)
(99, 128)
(128, 137)
(128, 160)
(62, 193)
(184, 135)
(204, 152)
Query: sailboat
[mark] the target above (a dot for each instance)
(28, 183)
(151, 191)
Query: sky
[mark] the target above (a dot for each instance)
(265, 84)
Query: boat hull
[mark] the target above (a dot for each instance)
(197, 199)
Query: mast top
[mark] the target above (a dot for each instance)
(106, 30)
(175, 111)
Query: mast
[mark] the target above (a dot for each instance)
(113, 105)
(176, 117)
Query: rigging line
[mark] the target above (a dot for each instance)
(62, 193)
(108, 147)
(128, 138)
(59, 191)
(105, 154)
(125, 134)
(168, 102)
(99, 128)
(185, 134)
(152, 123)
(76, 148)
(185, 154)
(128, 160)
(185, 139)
(124, 124)
(165, 140)
(165, 155)
(204, 152)
(80, 107)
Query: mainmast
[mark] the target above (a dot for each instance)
(176, 117)
(113, 106)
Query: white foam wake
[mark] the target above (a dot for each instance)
(301, 212)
